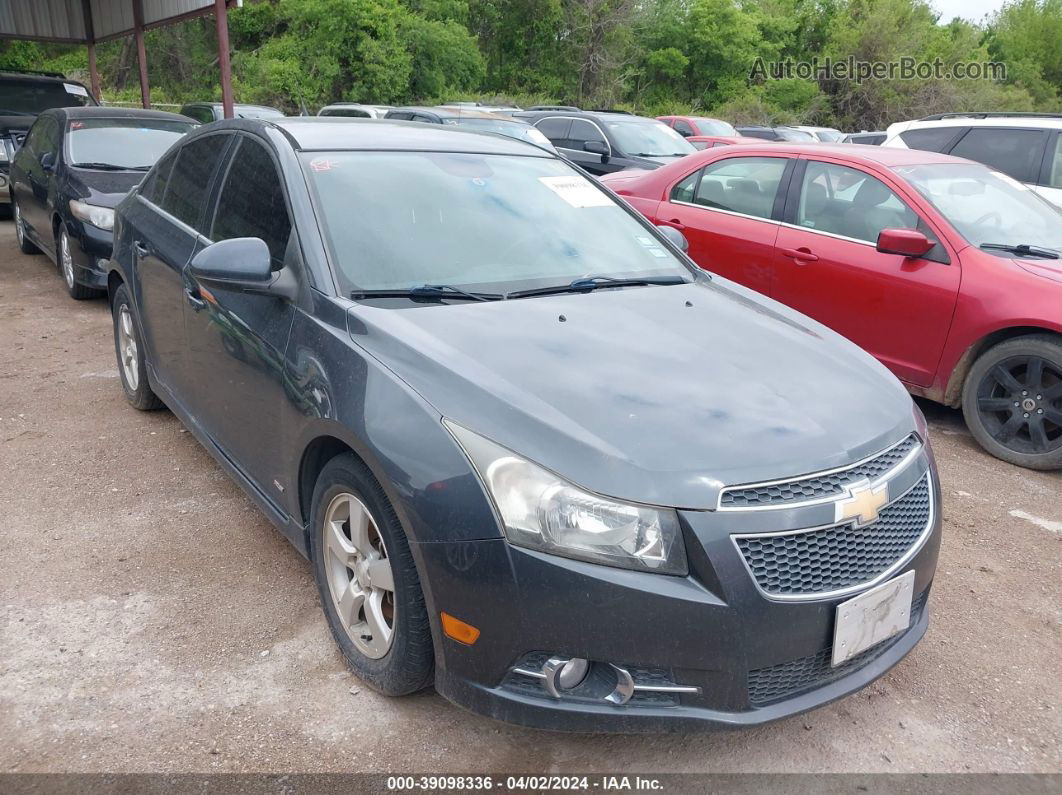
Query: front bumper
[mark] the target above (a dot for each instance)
(91, 249)
(737, 656)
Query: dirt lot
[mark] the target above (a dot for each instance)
(151, 619)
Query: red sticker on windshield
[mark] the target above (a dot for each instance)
(322, 164)
(76, 125)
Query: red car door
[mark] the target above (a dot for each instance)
(827, 266)
(728, 211)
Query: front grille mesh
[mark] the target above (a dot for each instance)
(818, 486)
(837, 557)
(789, 679)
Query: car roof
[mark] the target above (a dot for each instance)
(339, 133)
(1036, 122)
(219, 104)
(37, 77)
(586, 114)
(108, 112)
(888, 157)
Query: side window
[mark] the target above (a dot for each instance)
(1017, 153)
(37, 133)
(198, 113)
(50, 138)
(845, 201)
(931, 139)
(400, 116)
(746, 185)
(190, 178)
(154, 187)
(684, 190)
(556, 130)
(251, 203)
(1054, 163)
(683, 128)
(581, 132)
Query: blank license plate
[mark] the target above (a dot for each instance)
(872, 617)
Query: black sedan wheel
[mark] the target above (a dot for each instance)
(368, 582)
(1012, 401)
(24, 244)
(130, 353)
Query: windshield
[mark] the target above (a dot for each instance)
(648, 138)
(30, 97)
(714, 127)
(489, 223)
(128, 143)
(986, 206)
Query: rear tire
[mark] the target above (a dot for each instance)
(24, 244)
(1012, 401)
(130, 353)
(368, 582)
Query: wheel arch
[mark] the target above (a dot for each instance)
(315, 458)
(957, 379)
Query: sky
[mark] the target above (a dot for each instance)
(972, 10)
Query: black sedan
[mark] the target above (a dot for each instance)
(74, 167)
(535, 455)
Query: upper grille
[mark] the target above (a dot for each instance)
(788, 679)
(833, 558)
(817, 486)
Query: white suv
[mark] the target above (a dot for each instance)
(1025, 146)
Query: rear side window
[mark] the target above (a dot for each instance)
(154, 187)
(555, 129)
(1017, 153)
(746, 185)
(251, 203)
(930, 139)
(190, 178)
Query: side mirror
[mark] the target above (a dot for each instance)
(675, 237)
(905, 242)
(597, 148)
(48, 161)
(243, 264)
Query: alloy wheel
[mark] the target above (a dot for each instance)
(20, 233)
(1020, 403)
(360, 580)
(66, 260)
(127, 348)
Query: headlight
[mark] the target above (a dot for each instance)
(103, 217)
(540, 510)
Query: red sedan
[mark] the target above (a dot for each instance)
(709, 141)
(949, 273)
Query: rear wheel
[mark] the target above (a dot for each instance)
(130, 353)
(1012, 401)
(367, 580)
(24, 245)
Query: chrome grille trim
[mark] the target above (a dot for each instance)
(898, 564)
(916, 450)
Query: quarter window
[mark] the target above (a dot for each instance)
(746, 185)
(1017, 153)
(190, 179)
(252, 203)
(851, 203)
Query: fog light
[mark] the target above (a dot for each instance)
(562, 673)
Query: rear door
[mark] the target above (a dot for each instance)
(827, 266)
(236, 340)
(165, 222)
(729, 212)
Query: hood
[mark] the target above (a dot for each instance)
(659, 395)
(618, 178)
(104, 188)
(1048, 268)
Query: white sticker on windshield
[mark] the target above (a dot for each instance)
(73, 88)
(577, 191)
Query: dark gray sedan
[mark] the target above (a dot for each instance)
(534, 454)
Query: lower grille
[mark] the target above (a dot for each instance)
(834, 558)
(789, 679)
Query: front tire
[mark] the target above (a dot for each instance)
(1012, 401)
(368, 582)
(24, 244)
(68, 269)
(130, 352)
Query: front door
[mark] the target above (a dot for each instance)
(727, 211)
(827, 266)
(236, 340)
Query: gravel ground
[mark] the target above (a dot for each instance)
(151, 619)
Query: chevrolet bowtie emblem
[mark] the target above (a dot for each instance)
(863, 503)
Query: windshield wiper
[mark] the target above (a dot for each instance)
(435, 291)
(1023, 249)
(589, 283)
(109, 167)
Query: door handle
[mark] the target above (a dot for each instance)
(800, 254)
(140, 250)
(676, 223)
(192, 296)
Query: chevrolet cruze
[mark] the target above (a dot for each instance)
(535, 456)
